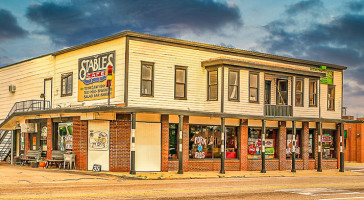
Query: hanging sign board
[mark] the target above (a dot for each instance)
(329, 74)
(92, 76)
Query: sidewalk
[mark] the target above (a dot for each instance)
(203, 175)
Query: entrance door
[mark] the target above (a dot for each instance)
(47, 93)
(267, 92)
(148, 146)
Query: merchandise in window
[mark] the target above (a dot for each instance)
(311, 143)
(66, 84)
(328, 144)
(233, 85)
(231, 142)
(147, 75)
(255, 143)
(253, 87)
(289, 141)
(299, 93)
(173, 144)
(313, 93)
(212, 85)
(65, 136)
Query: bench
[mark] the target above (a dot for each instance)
(32, 155)
(57, 158)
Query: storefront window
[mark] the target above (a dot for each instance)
(311, 143)
(328, 144)
(255, 143)
(65, 136)
(231, 143)
(289, 141)
(173, 144)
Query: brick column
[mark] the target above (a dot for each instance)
(244, 145)
(49, 138)
(165, 142)
(185, 142)
(337, 144)
(80, 134)
(120, 143)
(282, 145)
(305, 139)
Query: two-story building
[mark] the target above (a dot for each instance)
(174, 105)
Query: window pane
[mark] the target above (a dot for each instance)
(233, 92)
(180, 76)
(213, 78)
(312, 87)
(282, 85)
(253, 94)
(298, 86)
(289, 145)
(147, 87)
(147, 72)
(299, 99)
(173, 136)
(312, 99)
(254, 80)
(180, 90)
(233, 78)
(213, 92)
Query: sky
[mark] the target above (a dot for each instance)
(329, 31)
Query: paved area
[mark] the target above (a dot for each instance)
(27, 183)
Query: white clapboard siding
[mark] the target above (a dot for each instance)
(28, 77)
(68, 62)
(329, 114)
(305, 111)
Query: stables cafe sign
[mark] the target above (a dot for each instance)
(92, 76)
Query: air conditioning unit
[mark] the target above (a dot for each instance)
(12, 88)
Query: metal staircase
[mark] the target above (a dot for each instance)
(5, 144)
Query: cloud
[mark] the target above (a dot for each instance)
(80, 21)
(355, 6)
(338, 40)
(313, 6)
(10, 28)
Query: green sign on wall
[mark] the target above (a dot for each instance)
(329, 79)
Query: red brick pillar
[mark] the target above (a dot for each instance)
(244, 145)
(337, 144)
(120, 143)
(80, 133)
(305, 140)
(282, 145)
(165, 142)
(49, 138)
(185, 142)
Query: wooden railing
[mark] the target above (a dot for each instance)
(278, 110)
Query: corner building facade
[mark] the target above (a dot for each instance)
(174, 105)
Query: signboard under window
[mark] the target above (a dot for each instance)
(92, 76)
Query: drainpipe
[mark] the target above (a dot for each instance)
(132, 148)
(180, 146)
(263, 147)
(12, 147)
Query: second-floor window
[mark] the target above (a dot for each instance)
(313, 93)
(253, 87)
(147, 79)
(331, 97)
(212, 85)
(299, 93)
(234, 85)
(180, 88)
(66, 84)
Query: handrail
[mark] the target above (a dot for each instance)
(29, 105)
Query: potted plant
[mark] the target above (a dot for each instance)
(42, 163)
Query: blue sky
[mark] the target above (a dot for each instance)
(321, 30)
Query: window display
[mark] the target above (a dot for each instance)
(328, 144)
(65, 136)
(311, 143)
(205, 142)
(289, 146)
(255, 143)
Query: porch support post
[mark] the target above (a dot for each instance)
(222, 170)
(319, 127)
(12, 148)
(132, 148)
(293, 146)
(263, 147)
(180, 146)
(341, 148)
